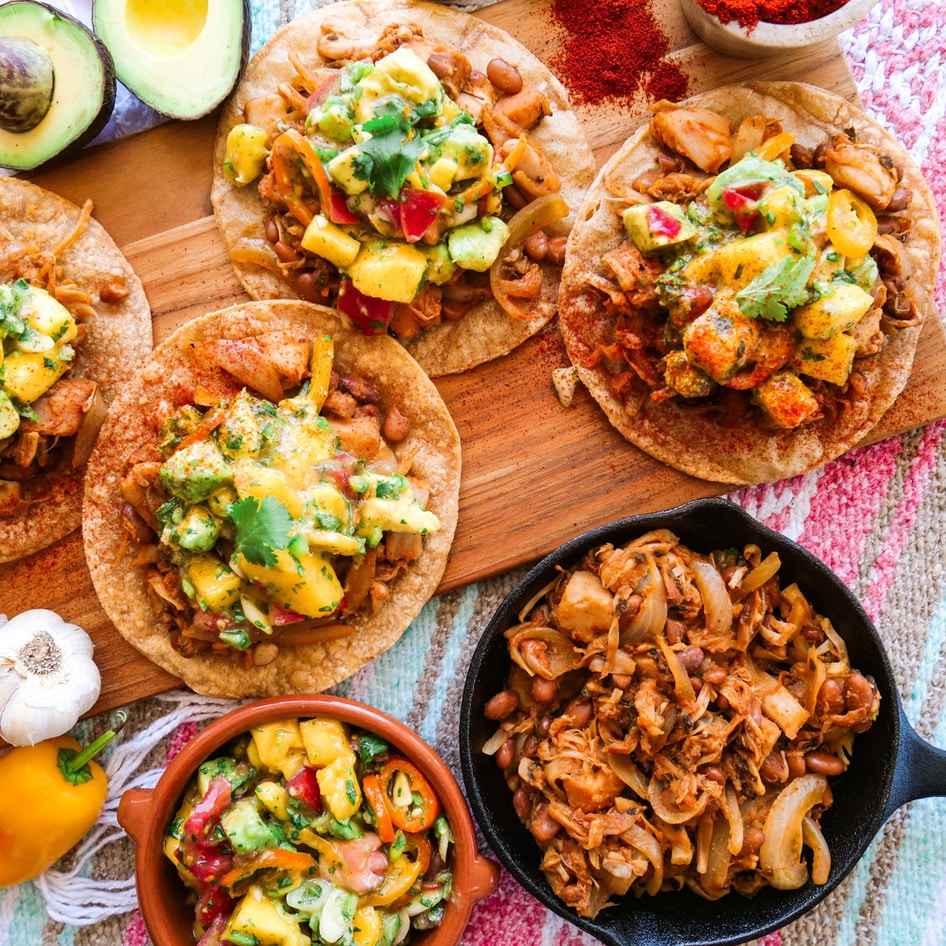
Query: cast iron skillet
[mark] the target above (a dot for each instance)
(891, 764)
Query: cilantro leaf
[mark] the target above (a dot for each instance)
(390, 154)
(778, 288)
(262, 528)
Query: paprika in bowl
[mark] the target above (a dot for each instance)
(753, 30)
(294, 813)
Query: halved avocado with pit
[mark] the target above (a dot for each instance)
(57, 84)
(180, 57)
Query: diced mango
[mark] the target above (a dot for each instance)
(330, 241)
(274, 798)
(366, 927)
(216, 586)
(254, 479)
(27, 375)
(390, 271)
(307, 585)
(246, 154)
(263, 920)
(325, 740)
(395, 515)
(339, 787)
(720, 340)
(832, 313)
(343, 170)
(737, 263)
(279, 746)
(442, 173)
(48, 316)
(828, 359)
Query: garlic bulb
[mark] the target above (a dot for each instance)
(48, 678)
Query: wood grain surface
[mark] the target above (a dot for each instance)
(534, 473)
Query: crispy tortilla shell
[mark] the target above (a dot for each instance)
(744, 451)
(118, 340)
(172, 371)
(485, 332)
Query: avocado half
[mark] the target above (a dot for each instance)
(180, 57)
(57, 84)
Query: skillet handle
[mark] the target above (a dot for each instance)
(921, 769)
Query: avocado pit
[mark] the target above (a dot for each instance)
(27, 79)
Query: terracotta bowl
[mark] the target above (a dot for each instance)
(770, 39)
(891, 764)
(146, 813)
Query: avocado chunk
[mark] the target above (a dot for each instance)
(57, 84)
(476, 245)
(180, 57)
(655, 227)
(195, 471)
(247, 831)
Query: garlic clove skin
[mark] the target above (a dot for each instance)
(48, 677)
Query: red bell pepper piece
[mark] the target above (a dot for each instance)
(338, 211)
(418, 210)
(370, 315)
(305, 787)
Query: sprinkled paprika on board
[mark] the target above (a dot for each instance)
(614, 49)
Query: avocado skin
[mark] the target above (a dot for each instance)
(151, 96)
(31, 161)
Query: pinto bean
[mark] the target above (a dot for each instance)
(536, 245)
(715, 675)
(542, 825)
(796, 764)
(396, 426)
(858, 691)
(285, 252)
(272, 230)
(831, 696)
(715, 774)
(900, 200)
(774, 768)
(691, 658)
(522, 803)
(506, 754)
(579, 713)
(543, 691)
(504, 76)
(306, 287)
(501, 705)
(556, 252)
(822, 763)
(543, 726)
(752, 840)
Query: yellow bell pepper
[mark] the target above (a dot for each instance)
(52, 795)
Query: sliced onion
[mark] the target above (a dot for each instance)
(629, 774)
(821, 855)
(497, 740)
(730, 806)
(714, 880)
(717, 605)
(759, 575)
(681, 679)
(560, 656)
(670, 812)
(780, 854)
(536, 215)
(256, 251)
(647, 844)
(89, 428)
(651, 619)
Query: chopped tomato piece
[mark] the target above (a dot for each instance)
(338, 211)
(743, 203)
(418, 210)
(662, 223)
(305, 787)
(370, 315)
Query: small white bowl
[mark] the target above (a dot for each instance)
(769, 39)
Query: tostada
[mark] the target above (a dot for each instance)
(271, 500)
(411, 165)
(745, 288)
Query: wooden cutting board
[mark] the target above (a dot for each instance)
(534, 473)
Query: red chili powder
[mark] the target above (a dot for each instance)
(614, 49)
(749, 13)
